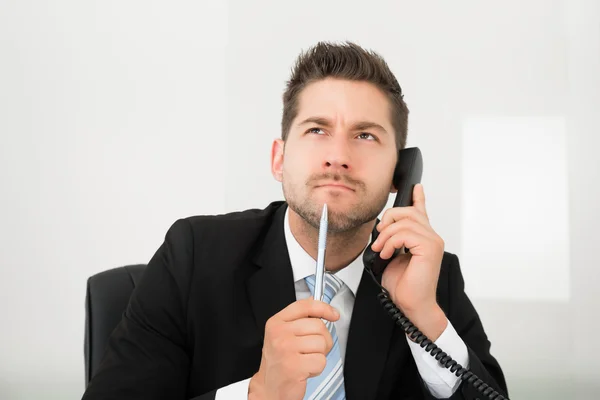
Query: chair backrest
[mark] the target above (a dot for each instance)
(106, 299)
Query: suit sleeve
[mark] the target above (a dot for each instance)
(467, 324)
(146, 354)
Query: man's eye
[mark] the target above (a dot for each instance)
(312, 130)
(366, 136)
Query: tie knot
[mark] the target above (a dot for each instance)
(332, 285)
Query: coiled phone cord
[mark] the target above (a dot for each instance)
(443, 358)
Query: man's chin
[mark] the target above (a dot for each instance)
(341, 204)
(337, 215)
(345, 213)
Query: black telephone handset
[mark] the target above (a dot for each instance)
(408, 172)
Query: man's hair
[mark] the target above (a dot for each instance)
(344, 61)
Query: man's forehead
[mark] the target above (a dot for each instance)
(346, 102)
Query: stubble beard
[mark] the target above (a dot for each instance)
(339, 222)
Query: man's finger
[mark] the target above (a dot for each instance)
(308, 308)
(403, 238)
(308, 326)
(402, 225)
(395, 214)
(419, 198)
(313, 363)
(314, 344)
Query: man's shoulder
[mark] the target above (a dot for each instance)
(451, 282)
(236, 222)
(449, 259)
(243, 217)
(450, 266)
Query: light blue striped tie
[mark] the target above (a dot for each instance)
(330, 384)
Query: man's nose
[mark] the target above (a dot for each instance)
(336, 164)
(337, 157)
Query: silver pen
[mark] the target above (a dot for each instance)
(320, 272)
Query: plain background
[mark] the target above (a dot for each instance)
(118, 117)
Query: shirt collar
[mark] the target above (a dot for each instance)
(304, 265)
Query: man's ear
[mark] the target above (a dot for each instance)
(277, 159)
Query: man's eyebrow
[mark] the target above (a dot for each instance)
(360, 125)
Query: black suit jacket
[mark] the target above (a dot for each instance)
(195, 323)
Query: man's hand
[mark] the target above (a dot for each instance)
(411, 279)
(295, 348)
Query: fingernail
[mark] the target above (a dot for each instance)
(336, 312)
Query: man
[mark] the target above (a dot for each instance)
(225, 307)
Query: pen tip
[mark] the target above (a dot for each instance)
(324, 214)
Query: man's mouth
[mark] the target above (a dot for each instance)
(334, 185)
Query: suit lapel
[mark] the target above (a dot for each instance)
(271, 287)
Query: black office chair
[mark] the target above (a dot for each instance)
(106, 299)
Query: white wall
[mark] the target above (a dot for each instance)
(116, 118)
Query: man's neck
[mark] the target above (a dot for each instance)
(342, 248)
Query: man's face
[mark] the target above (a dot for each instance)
(340, 151)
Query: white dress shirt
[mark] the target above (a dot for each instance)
(440, 381)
